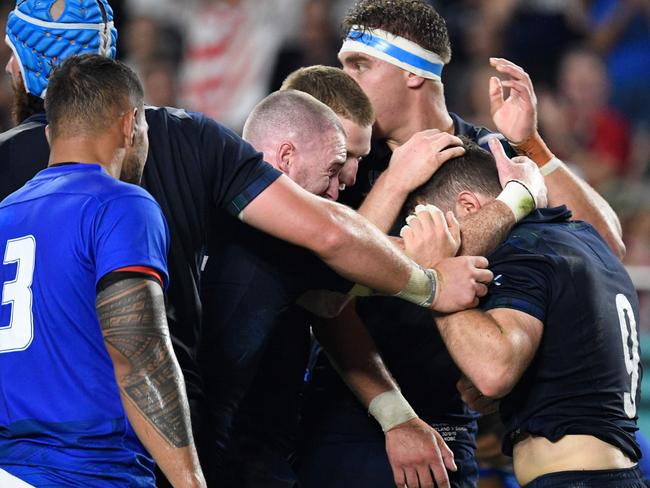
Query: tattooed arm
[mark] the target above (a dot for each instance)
(132, 317)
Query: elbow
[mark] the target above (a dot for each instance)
(494, 382)
(335, 235)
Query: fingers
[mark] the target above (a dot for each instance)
(440, 475)
(504, 66)
(498, 152)
(454, 227)
(411, 477)
(399, 477)
(496, 95)
(519, 88)
(424, 476)
(480, 289)
(447, 455)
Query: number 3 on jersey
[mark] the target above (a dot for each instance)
(626, 319)
(18, 335)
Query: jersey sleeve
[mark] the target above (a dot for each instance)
(130, 231)
(521, 282)
(239, 172)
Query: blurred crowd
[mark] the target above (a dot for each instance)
(589, 61)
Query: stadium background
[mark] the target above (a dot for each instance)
(589, 61)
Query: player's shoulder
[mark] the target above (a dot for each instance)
(194, 126)
(25, 130)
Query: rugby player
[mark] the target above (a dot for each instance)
(199, 172)
(395, 50)
(89, 379)
(556, 338)
(343, 95)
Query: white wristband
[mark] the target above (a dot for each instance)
(391, 409)
(518, 198)
(421, 287)
(551, 166)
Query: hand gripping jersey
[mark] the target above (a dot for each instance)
(586, 375)
(61, 418)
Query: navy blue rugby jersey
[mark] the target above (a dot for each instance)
(61, 416)
(586, 375)
(198, 171)
(250, 284)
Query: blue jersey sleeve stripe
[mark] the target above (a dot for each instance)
(241, 201)
(515, 304)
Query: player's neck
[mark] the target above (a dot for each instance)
(85, 150)
(426, 111)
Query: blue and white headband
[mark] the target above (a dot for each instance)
(395, 50)
(39, 43)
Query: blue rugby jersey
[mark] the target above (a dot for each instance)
(585, 377)
(61, 418)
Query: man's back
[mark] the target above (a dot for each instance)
(62, 414)
(586, 374)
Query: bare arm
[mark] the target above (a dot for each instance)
(132, 317)
(516, 118)
(493, 348)
(348, 243)
(357, 250)
(414, 448)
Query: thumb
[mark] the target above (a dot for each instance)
(454, 226)
(496, 95)
(502, 160)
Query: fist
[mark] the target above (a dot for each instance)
(430, 236)
(461, 282)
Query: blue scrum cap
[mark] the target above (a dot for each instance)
(40, 43)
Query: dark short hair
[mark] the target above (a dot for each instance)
(415, 20)
(85, 92)
(336, 89)
(474, 171)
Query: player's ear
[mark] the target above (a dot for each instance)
(129, 126)
(284, 156)
(414, 81)
(47, 134)
(467, 203)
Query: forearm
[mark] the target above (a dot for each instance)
(132, 316)
(347, 242)
(480, 348)
(356, 358)
(354, 355)
(384, 202)
(483, 231)
(565, 188)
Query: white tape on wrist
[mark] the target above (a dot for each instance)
(421, 287)
(391, 409)
(551, 166)
(518, 198)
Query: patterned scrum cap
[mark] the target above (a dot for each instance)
(40, 43)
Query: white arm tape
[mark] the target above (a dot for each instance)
(391, 409)
(421, 287)
(518, 198)
(551, 166)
